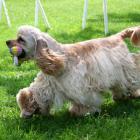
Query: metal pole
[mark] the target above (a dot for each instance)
(44, 15)
(36, 12)
(0, 9)
(85, 14)
(6, 13)
(105, 16)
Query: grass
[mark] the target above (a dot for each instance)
(117, 121)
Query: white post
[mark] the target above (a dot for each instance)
(105, 16)
(6, 13)
(38, 6)
(36, 12)
(85, 14)
(0, 9)
(43, 14)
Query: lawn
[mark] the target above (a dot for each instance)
(116, 122)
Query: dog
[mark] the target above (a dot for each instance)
(78, 72)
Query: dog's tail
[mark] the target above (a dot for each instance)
(133, 33)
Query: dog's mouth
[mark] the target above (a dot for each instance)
(26, 115)
(20, 57)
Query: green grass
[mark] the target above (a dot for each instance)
(116, 122)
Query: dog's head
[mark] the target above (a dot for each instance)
(27, 104)
(27, 37)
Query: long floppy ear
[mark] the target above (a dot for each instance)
(49, 61)
(41, 43)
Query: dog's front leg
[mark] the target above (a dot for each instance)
(135, 95)
(78, 110)
(81, 110)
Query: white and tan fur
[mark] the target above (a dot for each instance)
(78, 72)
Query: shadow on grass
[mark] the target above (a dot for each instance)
(56, 125)
(127, 17)
(82, 35)
(91, 31)
(121, 109)
(118, 18)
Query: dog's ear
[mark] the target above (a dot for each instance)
(50, 62)
(41, 43)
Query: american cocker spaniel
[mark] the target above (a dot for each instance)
(77, 72)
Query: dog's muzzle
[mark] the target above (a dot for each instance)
(18, 57)
(26, 115)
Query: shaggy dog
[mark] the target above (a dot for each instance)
(78, 72)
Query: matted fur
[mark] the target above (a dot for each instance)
(79, 72)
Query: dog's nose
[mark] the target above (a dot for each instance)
(8, 42)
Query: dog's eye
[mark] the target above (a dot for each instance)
(21, 40)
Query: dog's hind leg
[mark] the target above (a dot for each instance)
(119, 95)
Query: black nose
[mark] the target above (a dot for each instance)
(8, 42)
